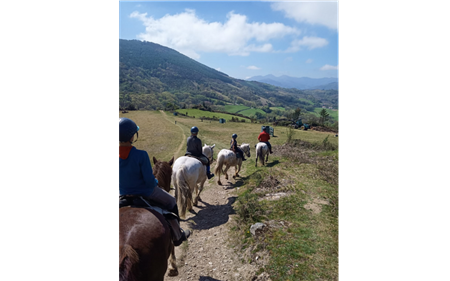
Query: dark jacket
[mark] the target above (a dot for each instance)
(233, 145)
(194, 146)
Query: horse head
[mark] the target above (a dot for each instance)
(163, 173)
(245, 147)
(208, 150)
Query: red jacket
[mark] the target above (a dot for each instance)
(263, 136)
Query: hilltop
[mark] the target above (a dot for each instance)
(152, 76)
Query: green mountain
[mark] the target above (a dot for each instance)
(155, 77)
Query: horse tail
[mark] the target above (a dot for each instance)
(219, 164)
(128, 260)
(182, 191)
(258, 154)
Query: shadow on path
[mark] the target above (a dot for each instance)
(211, 216)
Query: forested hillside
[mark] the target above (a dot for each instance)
(155, 77)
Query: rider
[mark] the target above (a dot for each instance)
(136, 177)
(194, 148)
(265, 137)
(235, 148)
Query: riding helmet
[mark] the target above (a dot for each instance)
(127, 129)
(194, 130)
(234, 136)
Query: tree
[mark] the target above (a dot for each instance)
(296, 114)
(323, 116)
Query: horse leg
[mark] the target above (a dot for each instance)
(226, 172)
(237, 170)
(200, 190)
(196, 195)
(173, 270)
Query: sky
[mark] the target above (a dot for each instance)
(242, 39)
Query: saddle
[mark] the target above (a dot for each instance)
(140, 202)
(202, 158)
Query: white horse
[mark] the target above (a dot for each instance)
(208, 150)
(187, 173)
(228, 158)
(261, 150)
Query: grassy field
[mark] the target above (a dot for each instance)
(199, 113)
(306, 247)
(234, 108)
(333, 113)
(251, 112)
(308, 101)
(278, 108)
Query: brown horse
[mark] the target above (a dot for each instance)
(163, 173)
(145, 241)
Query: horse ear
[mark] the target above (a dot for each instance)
(213, 145)
(171, 161)
(154, 160)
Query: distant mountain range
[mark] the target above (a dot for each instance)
(301, 83)
(152, 76)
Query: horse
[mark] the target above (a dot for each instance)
(145, 241)
(187, 173)
(228, 158)
(261, 150)
(209, 152)
(163, 173)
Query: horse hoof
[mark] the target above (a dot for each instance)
(173, 272)
(219, 183)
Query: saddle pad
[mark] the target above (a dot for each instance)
(140, 202)
(202, 159)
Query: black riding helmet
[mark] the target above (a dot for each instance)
(127, 129)
(234, 136)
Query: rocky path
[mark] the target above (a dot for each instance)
(208, 256)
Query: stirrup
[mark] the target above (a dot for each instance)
(185, 235)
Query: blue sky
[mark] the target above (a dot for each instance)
(242, 39)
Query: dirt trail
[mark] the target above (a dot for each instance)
(207, 255)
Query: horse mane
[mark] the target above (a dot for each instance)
(128, 261)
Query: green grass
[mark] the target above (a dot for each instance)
(278, 108)
(234, 108)
(200, 113)
(308, 101)
(307, 248)
(251, 111)
(333, 113)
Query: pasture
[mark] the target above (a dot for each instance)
(200, 113)
(305, 245)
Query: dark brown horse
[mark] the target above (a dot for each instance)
(145, 241)
(163, 173)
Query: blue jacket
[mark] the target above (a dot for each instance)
(136, 174)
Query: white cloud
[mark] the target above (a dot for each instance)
(309, 61)
(190, 34)
(321, 13)
(252, 67)
(307, 42)
(218, 69)
(329, 67)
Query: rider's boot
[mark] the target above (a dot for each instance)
(208, 172)
(178, 234)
